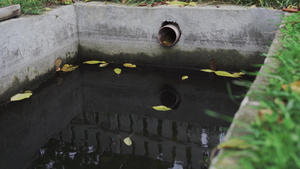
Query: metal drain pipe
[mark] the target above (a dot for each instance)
(169, 34)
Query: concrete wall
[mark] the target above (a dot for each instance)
(29, 46)
(234, 36)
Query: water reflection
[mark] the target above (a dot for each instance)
(86, 116)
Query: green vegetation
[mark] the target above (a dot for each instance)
(33, 6)
(38, 6)
(274, 137)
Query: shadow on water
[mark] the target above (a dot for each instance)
(79, 120)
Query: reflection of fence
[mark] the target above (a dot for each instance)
(161, 139)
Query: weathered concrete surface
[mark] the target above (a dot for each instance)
(30, 45)
(234, 36)
(246, 113)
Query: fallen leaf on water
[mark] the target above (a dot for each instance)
(48, 9)
(235, 143)
(21, 96)
(118, 71)
(207, 70)
(103, 64)
(92, 62)
(253, 6)
(58, 63)
(129, 65)
(86, 0)
(224, 73)
(295, 86)
(184, 77)
(161, 108)
(68, 68)
(128, 141)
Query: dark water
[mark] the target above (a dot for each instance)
(79, 120)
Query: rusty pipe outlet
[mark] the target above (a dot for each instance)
(169, 34)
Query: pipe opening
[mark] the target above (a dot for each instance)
(169, 34)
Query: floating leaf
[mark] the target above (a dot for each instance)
(128, 141)
(21, 96)
(184, 77)
(129, 65)
(161, 108)
(224, 73)
(92, 62)
(118, 70)
(48, 9)
(103, 64)
(207, 70)
(58, 63)
(68, 68)
(295, 86)
(238, 74)
(235, 143)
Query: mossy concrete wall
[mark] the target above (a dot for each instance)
(30, 45)
(234, 36)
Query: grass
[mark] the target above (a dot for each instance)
(274, 137)
(38, 6)
(32, 6)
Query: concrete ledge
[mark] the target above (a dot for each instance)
(11, 11)
(246, 113)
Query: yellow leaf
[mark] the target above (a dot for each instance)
(224, 73)
(129, 65)
(103, 64)
(192, 4)
(295, 86)
(118, 70)
(207, 70)
(68, 68)
(184, 77)
(161, 108)
(21, 96)
(58, 63)
(235, 143)
(48, 9)
(176, 3)
(238, 74)
(127, 141)
(91, 62)
(86, 0)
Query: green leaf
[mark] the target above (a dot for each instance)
(118, 71)
(21, 96)
(161, 108)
